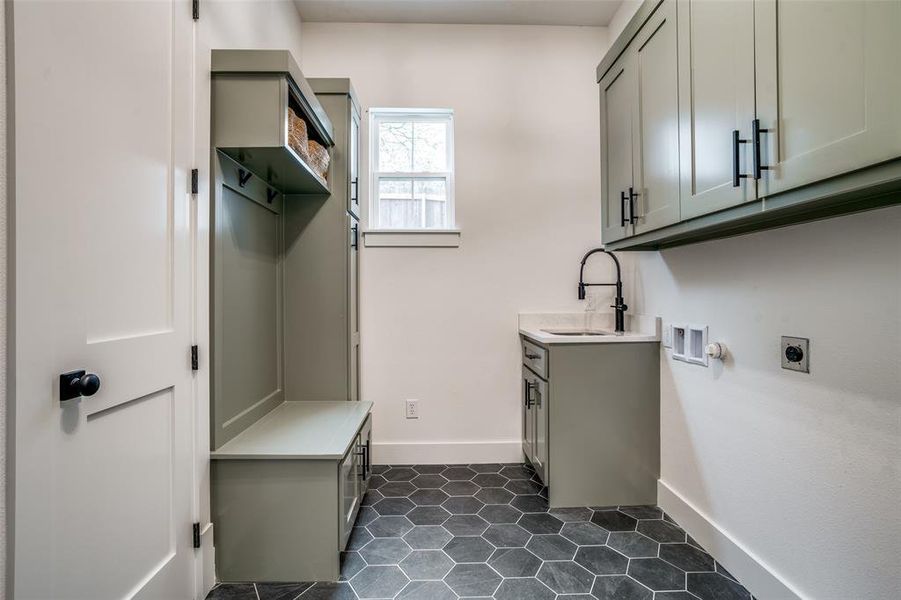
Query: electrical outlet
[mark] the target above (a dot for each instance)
(796, 354)
(592, 301)
(411, 409)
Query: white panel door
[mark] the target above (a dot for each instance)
(716, 98)
(828, 87)
(103, 145)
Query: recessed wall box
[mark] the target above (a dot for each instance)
(690, 344)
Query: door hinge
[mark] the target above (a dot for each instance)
(196, 531)
(195, 9)
(195, 180)
(195, 359)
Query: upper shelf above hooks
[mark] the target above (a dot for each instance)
(252, 92)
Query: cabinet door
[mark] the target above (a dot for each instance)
(528, 415)
(349, 473)
(619, 96)
(540, 461)
(716, 97)
(828, 87)
(353, 309)
(353, 196)
(655, 202)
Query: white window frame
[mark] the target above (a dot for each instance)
(420, 115)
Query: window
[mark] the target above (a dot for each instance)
(412, 169)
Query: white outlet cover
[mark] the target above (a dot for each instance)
(690, 344)
(411, 409)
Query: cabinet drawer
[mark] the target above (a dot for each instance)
(534, 357)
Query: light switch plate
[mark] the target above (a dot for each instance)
(796, 354)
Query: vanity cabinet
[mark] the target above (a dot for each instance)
(591, 421)
(787, 112)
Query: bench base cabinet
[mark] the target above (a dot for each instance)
(591, 417)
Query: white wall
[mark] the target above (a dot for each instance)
(3, 289)
(439, 325)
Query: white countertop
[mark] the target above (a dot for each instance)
(299, 430)
(639, 328)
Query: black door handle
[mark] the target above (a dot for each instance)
(736, 175)
(758, 167)
(622, 209)
(76, 384)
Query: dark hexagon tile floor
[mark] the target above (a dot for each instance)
(443, 532)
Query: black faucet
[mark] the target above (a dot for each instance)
(619, 305)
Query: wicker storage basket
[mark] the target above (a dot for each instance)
(297, 135)
(318, 158)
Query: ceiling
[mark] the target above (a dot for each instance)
(481, 12)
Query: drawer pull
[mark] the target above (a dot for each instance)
(533, 356)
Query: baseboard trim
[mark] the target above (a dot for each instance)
(438, 453)
(760, 579)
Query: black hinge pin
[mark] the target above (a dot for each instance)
(195, 181)
(195, 359)
(195, 9)
(196, 531)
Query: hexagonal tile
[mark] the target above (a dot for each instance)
(551, 547)
(426, 564)
(379, 469)
(523, 589)
(656, 574)
(674, 596)
(462, 505)
(460, 488)
(379, 582)
(572, 515)
(429, 481)
(523, 486)
(661, 531)
(517, 472)
(494, 496)
(540, 523)
(713, 585)
(458, 473)
(427, 537)
(428, 497)
(429, 469)
(585, 534)
(642, 512)
(507, 535)
(351, 564)
(473, 580)
(359, 537)
(601, 560)
(371, 497)
(613, 520)
(393, 506)
(532, 503)
(397, 489)
(427, 590)
(366, 515)
(376, 481)
(486, 468)
(633, 544)
(686, 557)
(326, 590)
(400, 474)
(386, 527)
(465, 525)
(490, 480)
(385, 551)
(428, 515)
(515, 562)
(620, 587)
(565, 577)
(469, 549)
(500, 513)
(271, 591)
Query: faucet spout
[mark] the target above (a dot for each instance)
(619, 304)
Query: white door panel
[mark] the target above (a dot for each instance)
(103, 149)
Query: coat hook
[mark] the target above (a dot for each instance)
(244, 177)
(270, 195)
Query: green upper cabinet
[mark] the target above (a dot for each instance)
(716, 72)
(828, 88)
(655, 198)
(619, 99)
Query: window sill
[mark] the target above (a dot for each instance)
(412, 238)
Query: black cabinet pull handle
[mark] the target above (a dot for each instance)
(736, 175)
(622, 209)
(354, 235)
(632, 196)
(758, 167)
(354, 185)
